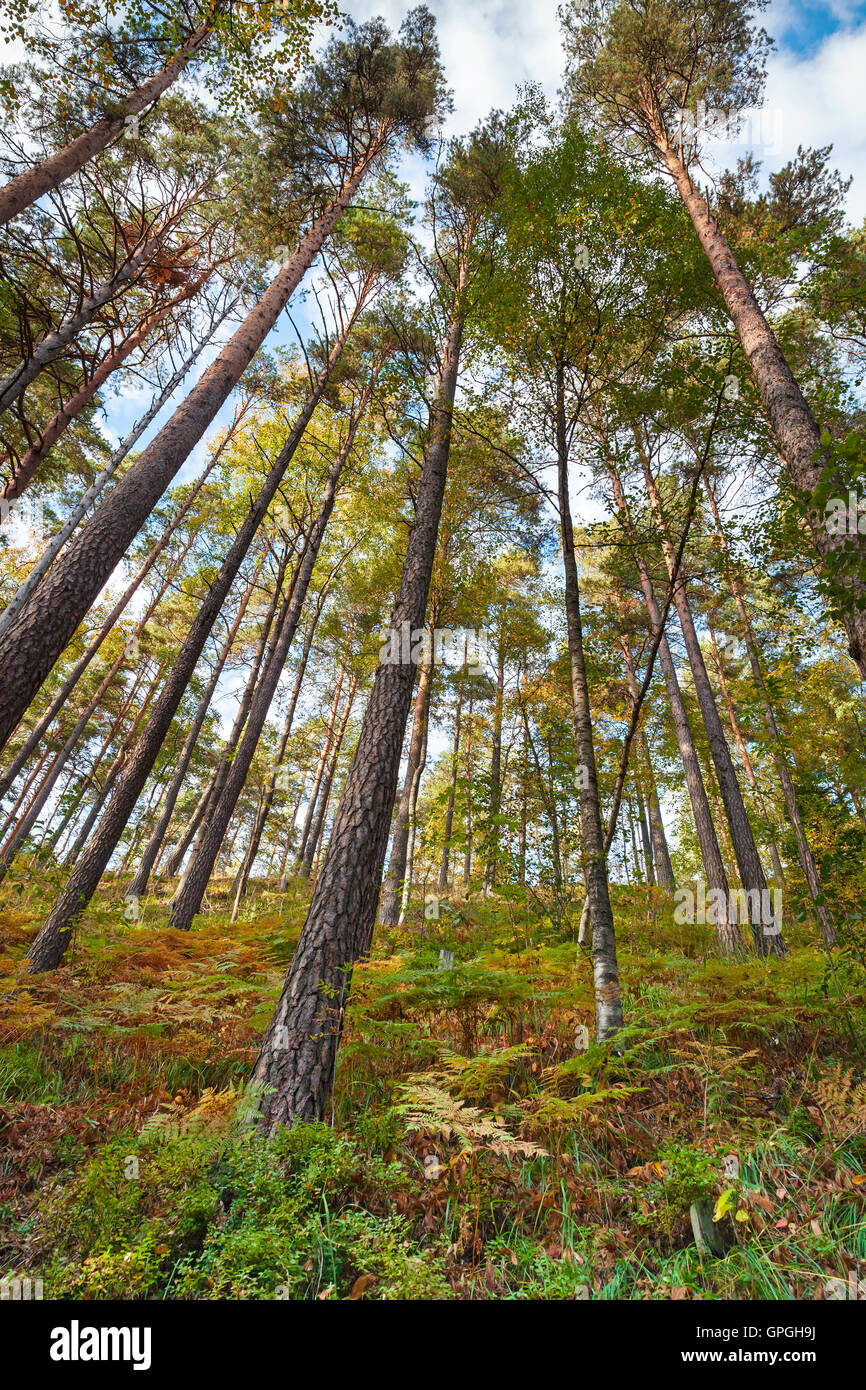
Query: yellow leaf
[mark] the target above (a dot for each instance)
(726, 1203)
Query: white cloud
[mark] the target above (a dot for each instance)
(822, 101)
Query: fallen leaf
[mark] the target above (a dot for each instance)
(361, 1285)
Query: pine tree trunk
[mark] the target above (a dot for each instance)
(660, 853)
(786, 408)
(27, 466)
(296, 1063)
(767, 938)
(49, 173)
(495, 772)
(55, 545)
(49, 619)
(188, 898)
(140, 879)
(804, 851)
(392, 890)
(778, 871)
(452, 789)
(727, 933)
(319, 774)
(409, 868)
(315, 840)
(54, 343)
(267, 802)
(50, 945)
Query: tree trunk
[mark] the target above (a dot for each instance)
(495, 772)
(727, 933)
(319, 774)
(188, 898)
(298, 1055)
(804, 851)
(267, 802)
(102, 478)
(767, 938)
(791, 420)
(392, 891)
(49, 173)
(49, 619)
(452, 790)
(315, 839)
(27, 466)
(140, 879)
(778, 871)
(54, 343)
(50, 945)
(421, 762)
(660, 853)
(608, 1001)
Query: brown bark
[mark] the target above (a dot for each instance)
(804, 851)
(50, 945)
(49, 619)
(767, 942)
(49, 173)
(54, 343)
(790, 417)
(392, 889)
(296, 1063)
(727, 935)
(187, 900)
(148, 859)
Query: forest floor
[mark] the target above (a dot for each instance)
(475, 1149)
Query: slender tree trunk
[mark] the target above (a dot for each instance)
(34, 811)
(778, 871)
(467, 821)
(188, 898)
(267, 802)
(54, 343)
(298, 1055)
(50, 945)
(315, 839)
(452, 790)
(176, 856)
(319, 774)
(392, 891)
(495, 772)
(421, 762)
(221, 771)
(660, 854)
(767, 942)
(50, 172)
(40, 728)
(646, 841)
(804, 850)
(791, 420)
(139, 883)
(55, 545)
(49, 619)
(608, 1001)
(113, 773)
(727, 933)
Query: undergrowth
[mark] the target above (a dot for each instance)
(476, 1148)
